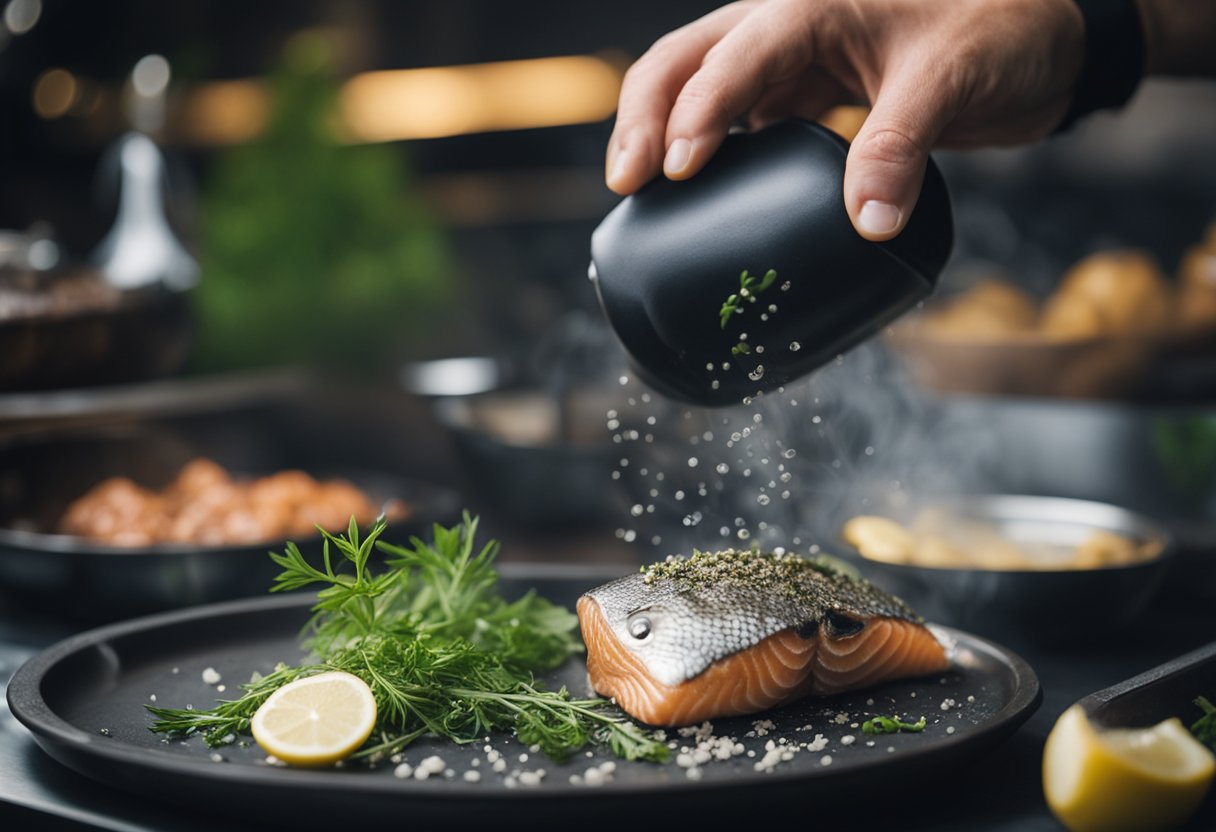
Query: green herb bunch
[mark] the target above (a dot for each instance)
(441, 650)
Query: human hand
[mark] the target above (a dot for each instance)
(963, 73)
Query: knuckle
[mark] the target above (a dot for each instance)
(891, 146)
(705, 96)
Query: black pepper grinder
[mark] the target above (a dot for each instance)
(668, 264)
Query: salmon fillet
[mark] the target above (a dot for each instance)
(778, 669)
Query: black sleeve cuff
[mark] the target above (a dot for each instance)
(1114, 58)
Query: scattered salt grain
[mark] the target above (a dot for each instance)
(825, 760)
(848, 739)
(949, 729)
(818, 744)
(216, 757)
(471, 776)
(433, 764)
(211, 676)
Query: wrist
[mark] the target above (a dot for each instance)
(1115, 47)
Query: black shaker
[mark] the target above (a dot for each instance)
(667, 265)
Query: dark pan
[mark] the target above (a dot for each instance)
(78, 579)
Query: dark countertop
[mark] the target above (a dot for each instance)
(1002, 792)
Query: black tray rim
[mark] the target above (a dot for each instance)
(63, 741)
(1095, 701)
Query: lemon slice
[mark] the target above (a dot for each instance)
(1138, 779)
(317, 720)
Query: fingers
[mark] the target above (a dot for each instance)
(769, 46)
(886, 163)
(637, 146)
(808, 95)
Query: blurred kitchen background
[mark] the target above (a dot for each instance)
(262, 228)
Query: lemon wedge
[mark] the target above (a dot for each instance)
(317, 720)
(1138, 779)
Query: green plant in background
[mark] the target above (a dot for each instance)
(1187, 449)
(313, 251)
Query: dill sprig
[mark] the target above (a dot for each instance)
(229, 719)
(441, 650)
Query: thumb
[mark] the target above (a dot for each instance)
(886, 163)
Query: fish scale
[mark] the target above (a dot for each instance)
(712, 605)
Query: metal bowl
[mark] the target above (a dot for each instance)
(541, 459)
(1038, 607)
(106, 336)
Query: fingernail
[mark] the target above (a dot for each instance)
(618, 159)
(677, 157)
(878, 217)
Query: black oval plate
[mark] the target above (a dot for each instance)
(83, 700)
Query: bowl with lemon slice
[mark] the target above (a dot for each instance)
(1138, 755)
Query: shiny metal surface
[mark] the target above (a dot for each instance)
(1045, 608)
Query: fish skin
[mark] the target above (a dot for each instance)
(713, 605)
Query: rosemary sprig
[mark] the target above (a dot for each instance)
(891, 725)
(229, 719)
(749, 286)
(442, 652)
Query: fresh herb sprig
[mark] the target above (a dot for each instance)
(749, 286)
(442, 652)
(1204, 728)
(891, 725)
